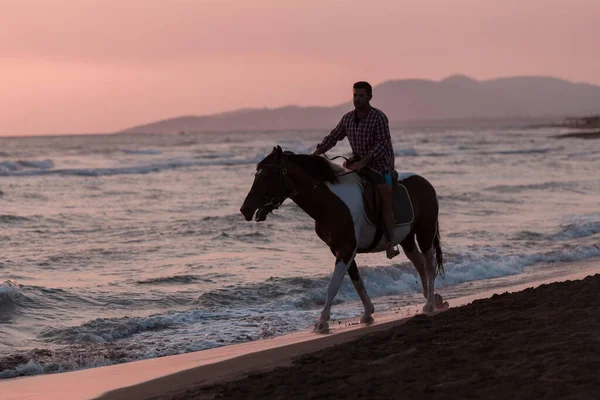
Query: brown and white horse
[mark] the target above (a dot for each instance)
(333, 198)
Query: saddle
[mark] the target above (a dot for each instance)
(403, 210)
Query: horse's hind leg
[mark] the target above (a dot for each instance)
(426, 232)
(416, 257)
(359, 285)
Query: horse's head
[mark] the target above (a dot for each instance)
(269, 189)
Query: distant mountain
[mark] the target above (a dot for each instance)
(457, 97)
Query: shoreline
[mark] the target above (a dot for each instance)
(158, 376)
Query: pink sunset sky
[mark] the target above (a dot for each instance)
(89, 66)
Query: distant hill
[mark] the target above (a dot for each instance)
(457, 97)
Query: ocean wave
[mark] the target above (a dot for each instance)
(142, 152)
(205, 155)
(479, 267)
(71, 358)
(269, 291)
(410, 152)
(304, 293)
(294, 295)
(435, 154)
(133, 170)
(545, 186)
(249, 238)
(476, 198)
(91, 349)
(108, 329)
(9, 289)
(577, 231)
(12, 219)
(582, 227)
(8, 167)
(521, 151)
(173, 280)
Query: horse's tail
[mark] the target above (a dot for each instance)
(439, 256)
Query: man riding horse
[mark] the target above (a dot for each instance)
(333, 198)
(368, 132)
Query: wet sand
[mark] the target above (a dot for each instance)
(537, 343)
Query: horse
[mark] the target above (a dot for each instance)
(332, 196)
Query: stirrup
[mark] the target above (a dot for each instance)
(391, 250)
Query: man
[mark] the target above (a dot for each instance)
(368, 132)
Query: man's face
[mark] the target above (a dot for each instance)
(361, 98)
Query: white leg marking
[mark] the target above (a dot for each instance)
(334, 286)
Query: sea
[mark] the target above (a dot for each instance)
(116, 248)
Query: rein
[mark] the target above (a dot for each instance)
(335, 158)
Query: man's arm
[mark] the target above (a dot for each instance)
(337, 134)
(382, 138)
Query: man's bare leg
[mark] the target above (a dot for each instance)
(385, 191)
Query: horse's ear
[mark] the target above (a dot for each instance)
(278, 153)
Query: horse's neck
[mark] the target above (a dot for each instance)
(321, 202)
(313, 196)
(310, 205)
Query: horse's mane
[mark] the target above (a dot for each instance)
(317, 167)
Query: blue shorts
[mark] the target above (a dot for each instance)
(376, 177)
(387, 177)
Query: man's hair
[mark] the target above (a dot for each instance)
(364, 85)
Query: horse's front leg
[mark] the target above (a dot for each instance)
(343, 261)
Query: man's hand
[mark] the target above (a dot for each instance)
(357, 166)
(360, 164)
(316, 153)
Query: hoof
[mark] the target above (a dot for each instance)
(367, 319)
(321, 327)
(428, 308)
(440, 304)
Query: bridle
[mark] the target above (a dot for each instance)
(275, 201)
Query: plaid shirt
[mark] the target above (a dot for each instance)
(368, 135)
